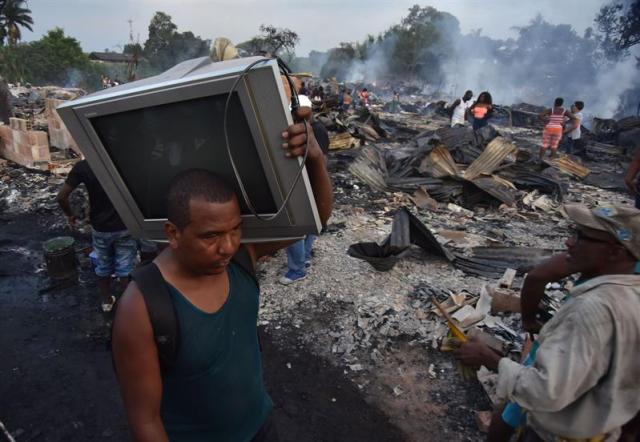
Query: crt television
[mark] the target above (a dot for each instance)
(139, 135)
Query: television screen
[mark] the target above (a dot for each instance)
(138, 136)
(150, 146)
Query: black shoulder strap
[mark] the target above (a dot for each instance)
(162, 314)
(243, 259)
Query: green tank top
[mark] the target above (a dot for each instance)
(216, 392)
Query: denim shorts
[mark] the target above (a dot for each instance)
(116, 253)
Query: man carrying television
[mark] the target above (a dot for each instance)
(214, 391)
(114, 246)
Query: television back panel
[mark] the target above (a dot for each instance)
(138, 136)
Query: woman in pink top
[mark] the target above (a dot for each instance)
(553, 130)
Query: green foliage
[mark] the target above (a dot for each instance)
(416, 47)
(619, 26)
(340, 60)
(273, 41)
(133, 49)
(54, 59)
(13, 16)
(422, 41)
(167, 47)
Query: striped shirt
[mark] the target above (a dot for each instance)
(556, 119)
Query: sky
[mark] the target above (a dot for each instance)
(323, 24)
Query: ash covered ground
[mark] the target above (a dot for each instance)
(350, 353)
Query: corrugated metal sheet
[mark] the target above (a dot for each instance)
(439, 163)
(567, 165)
(493, 155)
(370, 168)
(407, 230)
(500, 189)
(491, 262)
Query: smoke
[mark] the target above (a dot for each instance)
(375, 65)
(541, 62)
(544, 63)
(616, 87)
(611, 85)
(75, 78)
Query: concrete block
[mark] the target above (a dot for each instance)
(38, 137)
(40, 153)
(21, 137)
(6, 135)
(45, 153)
(18, 124)
(24, 150)
(54, 123)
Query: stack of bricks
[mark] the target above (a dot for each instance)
(58, 133)
(26, 147)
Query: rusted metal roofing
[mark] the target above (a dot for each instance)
(567, 165)
(439, 163)
(493, 155)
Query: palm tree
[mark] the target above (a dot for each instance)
(13, 15)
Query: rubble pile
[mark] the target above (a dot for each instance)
(24, 191)
(623, 133)
(422, 212)
(485, 199)
(36, 137)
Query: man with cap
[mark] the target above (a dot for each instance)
(585, 379)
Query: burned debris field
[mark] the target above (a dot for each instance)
(361, 222)
(423, 212)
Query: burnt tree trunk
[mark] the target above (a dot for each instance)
(5, 106)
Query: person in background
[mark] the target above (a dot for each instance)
(574, 128)
(115, 248)
(632, 178)
(460, 107)
(552, 132)
(347, 100)
(318, 95)
(148, 250)
(482, 110)
(364, 97)
(580, 381)
(303, 89)
(299, 254)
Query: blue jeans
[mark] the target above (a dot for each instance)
(298, 254)
(115, 253)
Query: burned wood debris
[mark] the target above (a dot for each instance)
(487, 210)
(33, 134)
(423, 211)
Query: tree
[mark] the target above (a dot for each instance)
(166, 47)
(415, 48)
(161, 32)
(272, 41)
(54, 59)
(13, 16)
(340, 60)
(132, 49)
(619, 26)
(423, 40)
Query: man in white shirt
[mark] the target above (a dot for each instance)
(585, 379)
(460, 107)
(573, 130)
